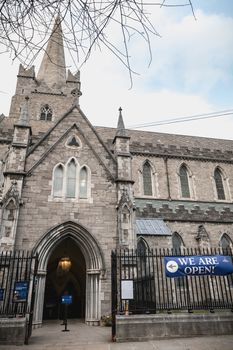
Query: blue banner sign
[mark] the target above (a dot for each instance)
(1, 294)
(66, 299)
(216, 265)
(20, 292)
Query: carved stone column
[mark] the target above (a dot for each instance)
(39, 299)
(93, 298)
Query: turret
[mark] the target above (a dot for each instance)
(126, 234)
(121, 149)
(13, 179)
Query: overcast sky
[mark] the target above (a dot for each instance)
(191, 73)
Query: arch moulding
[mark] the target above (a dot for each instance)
(95, 267)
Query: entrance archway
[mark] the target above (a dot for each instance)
(60, 282)
(85, 247)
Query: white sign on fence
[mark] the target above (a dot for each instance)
(127, 289)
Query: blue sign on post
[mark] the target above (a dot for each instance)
(1, 294)
(20, 291)
(66, 299)
(215, 265)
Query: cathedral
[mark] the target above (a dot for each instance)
(73, 192)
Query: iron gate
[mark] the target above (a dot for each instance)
(18, 271)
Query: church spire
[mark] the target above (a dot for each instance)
(53, 67)
(120, 125)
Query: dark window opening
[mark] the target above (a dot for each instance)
(184, 182)
(147, 181)
(219, 184)
(73, 142)
(46, 113)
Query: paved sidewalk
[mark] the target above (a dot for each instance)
(83, 337)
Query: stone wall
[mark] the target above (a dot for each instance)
(201, 180)
(148, 327)
(12, 331)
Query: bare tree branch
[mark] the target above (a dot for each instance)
(25, 26)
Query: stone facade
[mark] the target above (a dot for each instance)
(50, 210)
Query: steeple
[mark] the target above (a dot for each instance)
(53, 67)
(120, 125)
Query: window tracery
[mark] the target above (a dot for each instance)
(73, 142)
(71, 181)
(46, 113)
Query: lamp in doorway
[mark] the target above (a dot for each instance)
(64, 264)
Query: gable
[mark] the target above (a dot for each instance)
(72, 124)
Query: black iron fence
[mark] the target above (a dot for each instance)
(140, 284)
(17, 283)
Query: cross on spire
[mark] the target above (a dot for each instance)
(120, 125)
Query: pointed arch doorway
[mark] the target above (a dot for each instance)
(83, 279)
(60, 281)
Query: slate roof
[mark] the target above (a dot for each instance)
(147, 142)
(152, 227)
(144, 142)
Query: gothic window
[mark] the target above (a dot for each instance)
(142, 252)
(184, 182)
(226, 245)
(141, 247)
(83, 182)
(218, 178)
(71, 179)
(226, 242)
(46, 113)
(147, 179)
(177, 244)
(58, 181)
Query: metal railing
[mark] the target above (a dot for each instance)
(17, 280)
(154, 292)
